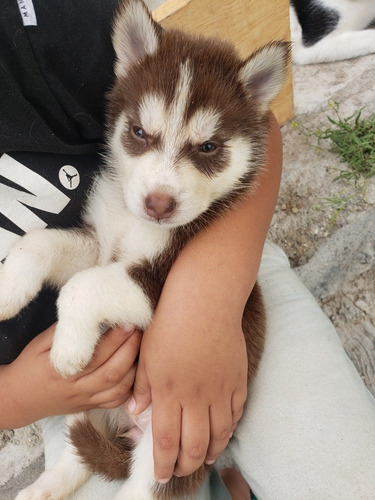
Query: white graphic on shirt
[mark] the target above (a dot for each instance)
(14, 203)
(27, 12)
(69, 177)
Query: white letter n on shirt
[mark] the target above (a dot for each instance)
(14, 203)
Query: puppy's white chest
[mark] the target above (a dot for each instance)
(122, 235)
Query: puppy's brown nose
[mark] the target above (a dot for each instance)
(160, 205)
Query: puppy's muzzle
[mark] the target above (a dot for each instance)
(160, 205)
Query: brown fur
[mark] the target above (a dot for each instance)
(179, 487)
(97, 451)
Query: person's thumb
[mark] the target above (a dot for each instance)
(141, 397)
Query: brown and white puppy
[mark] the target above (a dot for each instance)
(187, 127)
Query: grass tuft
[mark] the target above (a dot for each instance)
(353, 138)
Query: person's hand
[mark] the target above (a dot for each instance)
(194, 368)
(32, 389)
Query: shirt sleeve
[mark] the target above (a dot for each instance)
(56, 64)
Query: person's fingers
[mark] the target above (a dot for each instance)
(107, 346)
(221, 426)
(141, 398)
(238, 402)
(195, 437)
(166, 427)
(43, 341)
(116, 371)
(116, 395)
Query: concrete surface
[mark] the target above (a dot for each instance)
(333, 255)
(335, 260)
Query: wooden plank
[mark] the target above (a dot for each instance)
(248, 24)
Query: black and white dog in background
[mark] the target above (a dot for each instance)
(331, 30)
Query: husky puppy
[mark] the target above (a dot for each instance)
(187, 126)
(331, 30)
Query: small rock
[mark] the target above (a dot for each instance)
(370, 329)
(363, 306)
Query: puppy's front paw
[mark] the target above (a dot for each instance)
(72, 349)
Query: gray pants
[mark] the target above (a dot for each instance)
(308, 430)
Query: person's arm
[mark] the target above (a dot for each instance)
(193, 362)
(31, 389)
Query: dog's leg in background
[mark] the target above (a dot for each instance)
(66, 476)
(69, 473)
(43, 256)
(335, 47)
(93, 298)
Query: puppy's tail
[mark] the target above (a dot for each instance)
(108, 457)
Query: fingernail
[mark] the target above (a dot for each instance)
(132, 405)
(163, 481)
(128, 328)
(210, 462)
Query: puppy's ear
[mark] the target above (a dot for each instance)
(263, 74)
(135, 35)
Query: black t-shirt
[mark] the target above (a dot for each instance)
(56, 63)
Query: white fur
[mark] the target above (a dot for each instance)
(51, 256)
(350, 38)
(152, 111)
(178, 106)
(141, 480)
(101, 295)
(241, 151)
(203, 125)
(58, 481)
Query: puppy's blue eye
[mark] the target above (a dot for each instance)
(207, 147)
(139, 132)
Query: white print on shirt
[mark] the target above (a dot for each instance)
(27, 12)
(34, 192)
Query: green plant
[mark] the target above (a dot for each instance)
(353, 138)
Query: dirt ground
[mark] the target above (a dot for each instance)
(304, 223)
